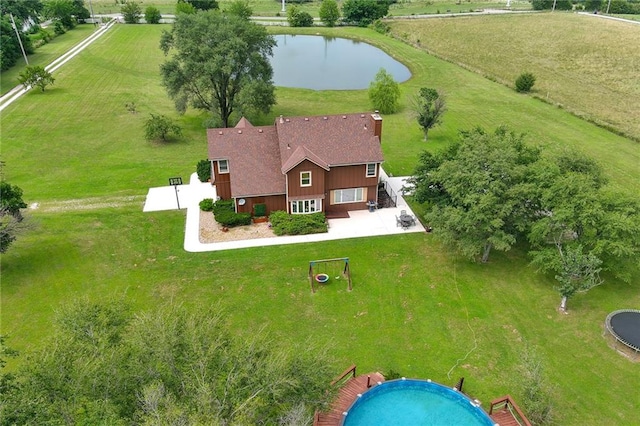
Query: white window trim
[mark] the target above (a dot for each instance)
(317, 206)
(310, 181)
(356, 198)
(375, 170)
(220, 168)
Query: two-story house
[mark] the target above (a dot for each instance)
(327, 163)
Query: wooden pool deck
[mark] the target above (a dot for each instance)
(346, 395)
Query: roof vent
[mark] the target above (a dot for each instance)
(220, 132)
(239, 132)
(259, 130)
(287, 120)
(281, 120)
(344, 116)
(325, 118)
(361, 115)
(306, 119)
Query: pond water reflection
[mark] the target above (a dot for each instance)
(329, 63)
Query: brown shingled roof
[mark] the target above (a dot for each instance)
(336, 139)
(260, 156)
(254, 159)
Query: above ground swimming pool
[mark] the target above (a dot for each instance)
(414, 402)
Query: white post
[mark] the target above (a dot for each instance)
(608, 5)
(283, 5)
(20, 40)
(554, 6)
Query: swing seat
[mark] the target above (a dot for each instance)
(322, 278)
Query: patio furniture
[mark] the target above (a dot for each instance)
(407, 220)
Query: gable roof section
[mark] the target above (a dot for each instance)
(254, 159)
(299, 155)
(337, 140)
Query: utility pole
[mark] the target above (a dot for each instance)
(13, 21)
(283, 5)
(93, 19)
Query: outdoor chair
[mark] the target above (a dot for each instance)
(398, 222)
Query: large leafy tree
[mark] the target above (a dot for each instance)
(580, 227)
(384, 92)
(220, 64)
(22, 11)
(477, 191)
(170, 366)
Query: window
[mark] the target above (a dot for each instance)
(371, 169)
(305, 178)
(223, 166)
(306, 206)
(351, 195)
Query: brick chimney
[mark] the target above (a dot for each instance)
(377, 125)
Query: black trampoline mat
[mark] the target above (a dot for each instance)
(627, 326)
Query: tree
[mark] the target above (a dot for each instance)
(105, 366)
(240, 8)
(10, 50)
(11, 219)
(580, 227)
(131, 12)
(329, 12)
(182, 7)
(152, 15)
(299, 18)
(477, 191)
(525, 82)
(220, 65)
(201, 4)
(364, 12)
(384, 92)
(429, 106)
(160, 127)
(62, 11)
(35, 76)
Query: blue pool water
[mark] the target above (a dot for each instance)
(414, 403)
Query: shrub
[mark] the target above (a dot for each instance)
(525, 82)
(223, 206)
(152, 15)
(299, 18)
(206, 205)
(259, 210)
(160, 127)
(380, 27)
(58, 28)
(283, 223)
(384, 93)
(231, 219)
(203, 170)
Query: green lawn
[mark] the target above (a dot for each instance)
(587, 65)
(45, 54)
(415, 308)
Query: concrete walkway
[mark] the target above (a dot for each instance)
(361, 223)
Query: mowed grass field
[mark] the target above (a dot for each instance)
(587, 65)
(415, 307)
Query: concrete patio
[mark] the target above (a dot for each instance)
(361, 223)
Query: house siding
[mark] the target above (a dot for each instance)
(273, 202)
(318, 176)
(222, 182)
(351, 177)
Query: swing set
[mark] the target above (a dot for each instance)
(338, 269)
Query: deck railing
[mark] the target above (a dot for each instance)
(508, 403)
(349, 371)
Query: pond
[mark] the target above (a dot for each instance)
(329, 63)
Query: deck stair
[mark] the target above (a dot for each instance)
(350, 386)
(505, 412)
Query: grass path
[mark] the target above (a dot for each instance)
(93, 203)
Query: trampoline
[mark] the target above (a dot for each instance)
(624, 326)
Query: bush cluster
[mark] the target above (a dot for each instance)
(224, 213)
(203, 170)
(283, 223)
(206, 205)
